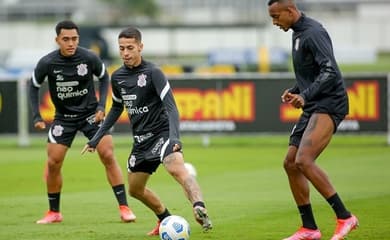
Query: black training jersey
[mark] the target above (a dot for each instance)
(319, 80)
(147, 97)
(71, 85)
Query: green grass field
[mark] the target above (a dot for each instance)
(245, 189)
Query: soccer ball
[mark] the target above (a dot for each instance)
(174, 228)
(190, 168)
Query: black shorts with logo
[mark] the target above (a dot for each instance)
(300, 126)
(63, 131)
(148, 152)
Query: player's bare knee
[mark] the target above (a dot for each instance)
(136, 193)
(303, 164)
(107, 157)
(289, 164)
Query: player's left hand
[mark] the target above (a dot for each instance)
(87, 148)
(176, 147)
(99, 116)
(296, 100)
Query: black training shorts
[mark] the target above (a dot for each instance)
(63, 131)
(148, 152)
(300, 126)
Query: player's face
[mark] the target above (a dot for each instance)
(68, 40)
(130, 51)
(281, 16)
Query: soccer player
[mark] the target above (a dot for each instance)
(320, 92)
(70, 72)
(144, 91)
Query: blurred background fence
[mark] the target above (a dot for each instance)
(223, 48)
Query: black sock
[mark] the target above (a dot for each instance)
(338, 207)
(163, 215)
(120, 194)
(54, 201)
(200, 204)
(307, 217)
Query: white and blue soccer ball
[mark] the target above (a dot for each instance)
(174, 228)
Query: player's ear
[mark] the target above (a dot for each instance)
(56, 39)
(141, 47)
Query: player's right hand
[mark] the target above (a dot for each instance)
(286, 96)
(40, 125)
(87, 148)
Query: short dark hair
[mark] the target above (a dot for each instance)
(270, 2)
(66, 24)
(131, 32)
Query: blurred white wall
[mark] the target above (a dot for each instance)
(361, 33)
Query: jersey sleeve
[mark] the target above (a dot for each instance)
(37, 78)
(164, 90)
(111, 118)
(99, 70)
(320, 46)
(294, 89)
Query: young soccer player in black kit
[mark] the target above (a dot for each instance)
(145, 93)
(320, 92)
(70, 71)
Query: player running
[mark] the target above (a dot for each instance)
(144, 91)
(320, 92)
(70, 71)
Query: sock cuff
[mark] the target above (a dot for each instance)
(199, 203)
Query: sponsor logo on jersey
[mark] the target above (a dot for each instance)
(60, 77)
(141, 80)
(137, 110)
(67, 84)
(82, 69)
(67, 92)
(57, 71)
(129, 97)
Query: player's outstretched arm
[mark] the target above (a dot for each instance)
(112, 117)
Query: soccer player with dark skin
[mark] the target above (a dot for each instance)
(320, 92)
(144, 91)
(70, 71)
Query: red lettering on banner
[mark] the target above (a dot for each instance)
(237, 102)
(363, 103)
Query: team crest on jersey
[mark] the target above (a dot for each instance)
(82, 69)
(296, 46)
(57, 130)
(141, 80)
(132, 161)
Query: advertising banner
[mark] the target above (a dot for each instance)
(234, 104)
(8, 107)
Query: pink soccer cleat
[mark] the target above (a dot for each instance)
(51, 217)
(345, 226)
(155, 231)
(305, 234)
(126, 214)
